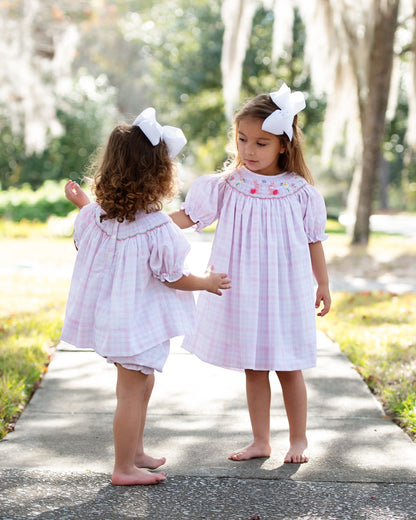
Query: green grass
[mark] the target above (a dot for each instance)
(377, 331)
(332, 226)
(54, 227)
(22, 229)
(26, 345)
(32, 306)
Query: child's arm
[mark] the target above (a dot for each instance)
(321, 275)
(210, 281)
(76, 195)
(181, 219)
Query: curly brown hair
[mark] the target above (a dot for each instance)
(292, 159)
(132, 175)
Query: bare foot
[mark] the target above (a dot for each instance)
(252, 451)
(75, 194)
(297, 453)
(146, 461)
(136, 477)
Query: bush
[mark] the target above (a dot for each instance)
(39, 205)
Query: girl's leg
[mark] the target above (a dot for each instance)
(295, 399)
(142, 460)
(128, 417)
(258, 400)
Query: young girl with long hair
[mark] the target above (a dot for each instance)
(271, 222)
(127, 294)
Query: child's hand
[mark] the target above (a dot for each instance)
(216, 282)
(323, 295)
(75, 194)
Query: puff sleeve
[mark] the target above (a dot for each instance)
(84, 218)
(168, 250)
(203, 202)
(314, 214)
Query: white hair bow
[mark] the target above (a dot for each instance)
(155, 132)
(281, 121)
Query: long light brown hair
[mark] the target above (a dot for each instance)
(292, 159)
(132, 175)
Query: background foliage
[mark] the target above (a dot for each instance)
(133, 54)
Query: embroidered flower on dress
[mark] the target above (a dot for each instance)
(256, 188)
(247, 183)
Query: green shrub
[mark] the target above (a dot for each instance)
(85, 115)
(26, 203)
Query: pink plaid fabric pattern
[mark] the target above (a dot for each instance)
(117, 304)
(267, 320)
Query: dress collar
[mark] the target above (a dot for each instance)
(265, 186)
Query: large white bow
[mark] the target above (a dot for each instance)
(281, 121)
(172, 136)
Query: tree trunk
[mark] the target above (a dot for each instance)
(237, 16)
(384, 182)
(373, 117)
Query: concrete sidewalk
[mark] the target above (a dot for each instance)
(57, 463)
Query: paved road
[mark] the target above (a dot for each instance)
(396, 224)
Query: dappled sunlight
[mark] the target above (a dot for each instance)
(387, 263)
(196, 436)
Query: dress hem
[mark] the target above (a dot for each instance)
(305, 366)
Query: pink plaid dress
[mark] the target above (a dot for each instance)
(117, 304)
(267, 320)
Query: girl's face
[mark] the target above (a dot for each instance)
(259, 150)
